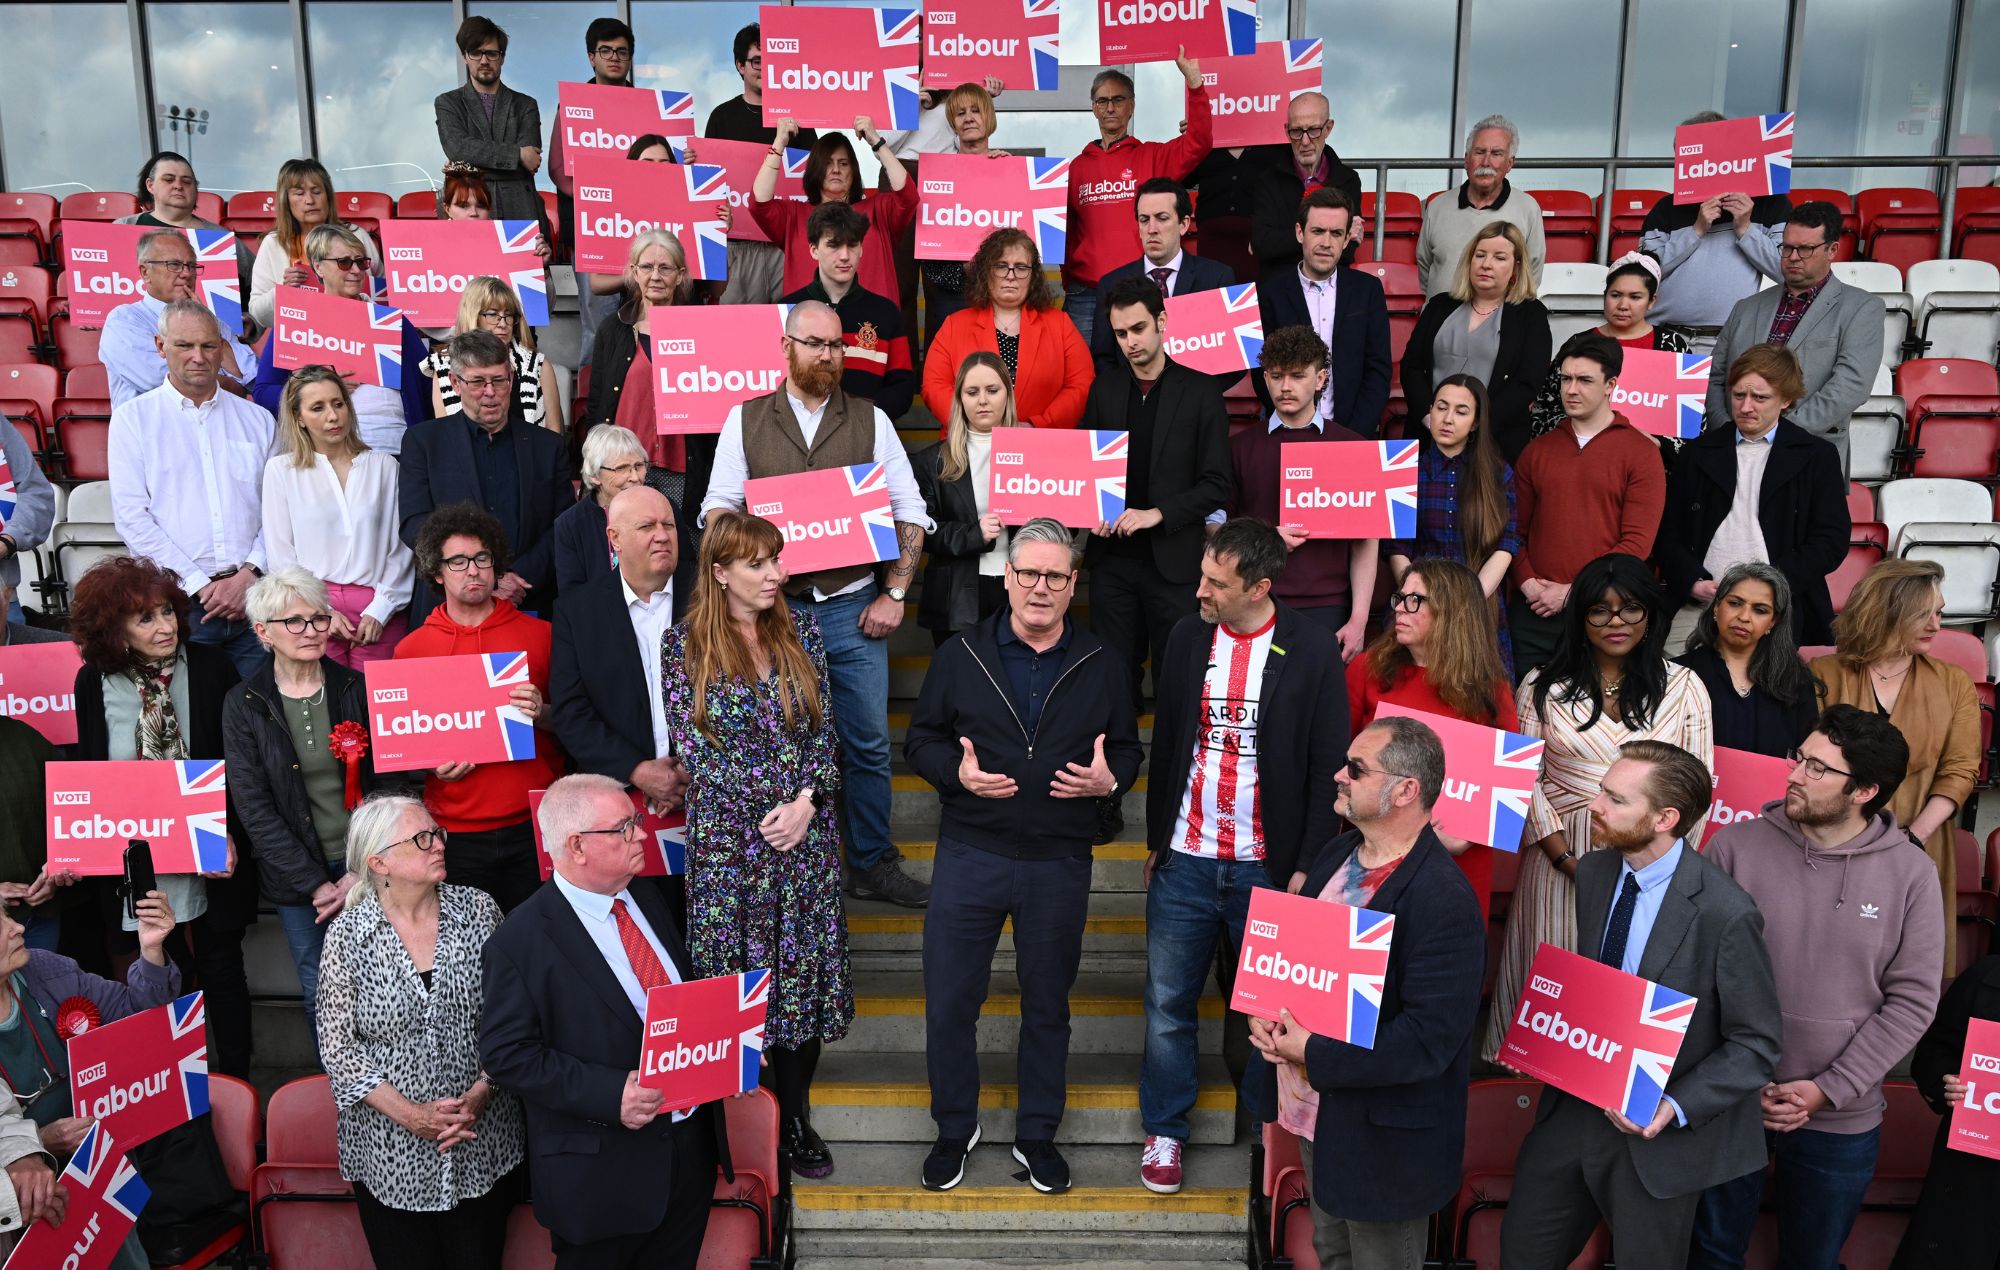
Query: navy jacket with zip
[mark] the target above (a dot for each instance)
(965, 694)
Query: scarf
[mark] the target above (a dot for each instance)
(159, 734)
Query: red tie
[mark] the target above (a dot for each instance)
(646, 965)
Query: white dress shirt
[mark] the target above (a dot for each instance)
(133, 363)
(185, 481)
(650, 619)
(1321, 299)
(725, 483)
(344, 535)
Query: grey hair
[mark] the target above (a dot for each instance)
(1705, 116)
(565, 808)
(277, 590)
(147, 239)
(1048, 530)
(1504, 124)
(1775, 666)
(321, 240)
(477, 348)
(1413, 750)
(605, 442)
(804, 307)
(1104, 77)
(189, 308)
(371, 830)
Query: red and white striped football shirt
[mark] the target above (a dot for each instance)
(1222, 814)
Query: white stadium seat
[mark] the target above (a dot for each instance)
(1931, 499)
(1884, 280)
(1957, 308)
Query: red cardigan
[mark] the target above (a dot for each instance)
(1050, 383)
(889, 213)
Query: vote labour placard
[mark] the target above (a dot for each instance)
(103, 262)
(1217, 332)
(424, 712)
(355, 337)
(1752, 155)
(739, 161)
(1349, 489)
(824, 66)
(965, 197)
(1593, 1031)
(1250, 95)
(838, 516)
(664, 837)
(710, 358)
(180, 806)
(1744, 782)
(10, 493)
(1975, 1122)
(1017, 41)
(1665, 394)
(603, 120)
(146, 1073)
(1489, 779)
(1322, 960)
(705, 1038)
(428, 263)
(1154, 30)
(38, 688)
(106, 1196)
(1074, 476)
(617, 199)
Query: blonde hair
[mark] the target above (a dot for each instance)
(1890, 599)
(484, 293)
(321, 239)
(293, 429)
(979, 97)
(952, 461)
(285, 227)
(1520, 287)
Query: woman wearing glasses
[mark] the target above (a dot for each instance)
(752, 718)
(339, 256)
(304, 201)
(833, 175)
(1883, 663)
(613, 462)
(427, 1140)
(1439, 655)
(1609, 682)
(965, 577)
(1011, 312)
(1764, 699)
(330, 509)
(490, 305)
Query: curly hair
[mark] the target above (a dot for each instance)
(111, 591)
(459, 520)
(979, 271)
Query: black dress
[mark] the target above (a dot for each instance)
(1953, 1225)
(1758, 723)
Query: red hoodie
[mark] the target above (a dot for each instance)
(494, 795)
(1103, 185)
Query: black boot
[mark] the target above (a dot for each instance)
(809, 1155)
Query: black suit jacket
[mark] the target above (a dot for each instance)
(1196, 274)
(1191, 472)
(582, 554)
(1275, 199)
(558, 1032)
(1390, 1138)
(438, 470)
(598, 702)
(1519, 367)
(1302, 736)
(1360, 353)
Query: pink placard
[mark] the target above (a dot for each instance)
(709, 359)
(1752, 155)
(1156, 30)
(144, 1074)
(106, 1196)
(824, 66)
(425, 712)
(428, 263)
(1251, 94)
(1349, 489)
(1489, 782)
(1975, 1122)
(965, 197)
(1321, 959)
(1593, 1031)
(1744, 782)
(179, 806)
(664, 837)
(1076, 476)
(103, 262)
(1665, 394)
(619, 199)
(1016, 41)
(705, 1038)
(1216, 332)
(356, 337)
(829, 518)
(740, 162)
(38, 688)
(603, 120)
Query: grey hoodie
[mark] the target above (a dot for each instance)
(1856, 936)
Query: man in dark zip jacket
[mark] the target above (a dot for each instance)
(1025, 721)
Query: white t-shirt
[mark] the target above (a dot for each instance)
(1222, 810)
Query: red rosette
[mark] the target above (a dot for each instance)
(75, 1016)
(349, 743)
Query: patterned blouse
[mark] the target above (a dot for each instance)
(378, 1023)
(527, 381)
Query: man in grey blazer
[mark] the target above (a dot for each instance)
(1834, 329)
(1679, 921)
(492, 127)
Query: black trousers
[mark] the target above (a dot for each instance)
(972, 893)
(469, 1237)
(1133, 610)
(675, 1244)
(500, 862)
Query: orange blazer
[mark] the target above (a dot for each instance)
(1054, 372)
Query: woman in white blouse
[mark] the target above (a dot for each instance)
(330, 507)
(966, 577)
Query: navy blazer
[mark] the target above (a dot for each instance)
(1197, 273)
(1360, 355)
(598, 702)
(560, 1034)
(1390, 1138)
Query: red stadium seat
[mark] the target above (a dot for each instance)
(20, 252)
(1866, 547)
(20, 341)
(1569, 225)
(252, 211)
(306, 1218)
(1399, 285)
(1281, 1201)
(99, 205)
(27, 421)
(209, 207)
(83, 439)
(28, 290)
(1946, 377)
(1899, 224)
(752, 1123)
(301, 1124)
(31, 382)
(1402, 223)
(1975, 231)
(1498, 1115)
(75, 346)
(549, 206)
(1860, 501)
(91, 380)
(30, 214)
(418, 205)
(1955, 436)
(364, 209)
(238, 1128)
(527, 1246)
(1629, 208)
(1850, 220)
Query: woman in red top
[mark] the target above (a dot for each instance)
(1442, 656)
(1630, 287)
(833, 174)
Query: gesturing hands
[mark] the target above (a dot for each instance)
(979, 781)
(1077, 781)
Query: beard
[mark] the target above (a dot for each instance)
(1809, 813)
(1623, 841)
(816, 378)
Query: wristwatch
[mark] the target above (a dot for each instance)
(897, 593)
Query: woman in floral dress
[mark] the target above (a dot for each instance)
(752, 718)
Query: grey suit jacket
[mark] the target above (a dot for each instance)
(1838, 343)
(1708, 941)
(495, 148)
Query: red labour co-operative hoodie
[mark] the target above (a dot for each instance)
(494, 795)
(1103, 225)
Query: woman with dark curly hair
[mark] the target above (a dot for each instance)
(146, 692)
(1011, 311)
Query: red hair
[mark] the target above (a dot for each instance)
(111, 591)
(457, 185)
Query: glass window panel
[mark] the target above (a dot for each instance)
(374, 62)
(685, 44)
(1872, 83)
(1390, 93)
(1561, 93)
(1977, 111)
(230, 65)
(1054, 132)
(1688, 56)
(59, 140)
(545, 47)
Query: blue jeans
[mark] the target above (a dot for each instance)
(1080, 303)
(1819, 1181)
(1192, 902)
(857, 669)
(305, 935)
(232, 637)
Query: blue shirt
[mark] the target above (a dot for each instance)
(1030, 674)
(1653, 881)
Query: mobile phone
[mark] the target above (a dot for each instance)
(140, 880)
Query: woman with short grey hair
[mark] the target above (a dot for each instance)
(614, 460)
(427, 1140)
(1765, 700)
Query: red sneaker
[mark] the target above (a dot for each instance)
(1160, 1165)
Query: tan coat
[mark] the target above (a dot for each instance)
(1938, 714)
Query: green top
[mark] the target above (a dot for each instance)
(309, 722)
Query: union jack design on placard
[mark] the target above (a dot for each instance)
(1304, 55)
(10, 497)
(709, 183)
(753, 997)
(1368, 936)
(1778, 163)
(1249, 334)
(1646, 1076)
(1509, 787)
(530, 283)
(894, 27)
(871, 481)
(672, 843)
(101, 1169)
(1110, 448)
(1399, 464)
(795, 163)
(1051, 223)
(208, 829)
(187, 1019)
(676, 111)
(1044, 51)
(1690, 393)
(517, 730)
(505, 670)
(222, 293)
(1240, 26)
(1489, 782)
(387, 324)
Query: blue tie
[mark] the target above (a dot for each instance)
(1620, 929)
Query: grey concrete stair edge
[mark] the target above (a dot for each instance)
(835, 1249)
(992, 1165)
(1105, 1013)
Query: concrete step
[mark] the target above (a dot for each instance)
(1115, 866)
(913, 801)
(859, 1096)
(1117, 923)
(1107, 1014)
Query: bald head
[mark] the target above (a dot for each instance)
(1308, 123)
(639, 525)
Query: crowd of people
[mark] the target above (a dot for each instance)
(1632, 603)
